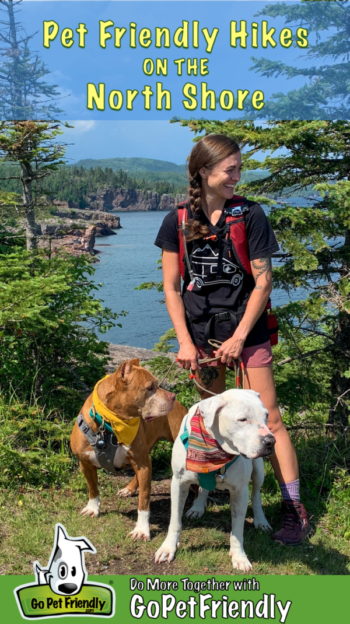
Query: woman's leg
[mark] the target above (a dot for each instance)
(211, 378)
(284, 461)
(295, 522)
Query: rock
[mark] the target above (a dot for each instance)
(125, 200)
(51, 229)
(102, 229)
(179, 198)
(167, 202)
(64, 204)
(111, 220)
(119, 200)
(75, 241)
(120, 353)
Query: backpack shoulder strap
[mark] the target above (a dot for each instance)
(181, 215)
(235, 218)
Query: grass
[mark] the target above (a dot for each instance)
(27, 520)
(41, 485)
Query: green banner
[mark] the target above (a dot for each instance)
(292, 599)
(39, 601)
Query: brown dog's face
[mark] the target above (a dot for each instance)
(133, 391)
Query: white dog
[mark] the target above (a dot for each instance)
(65, 572)
(237, 420)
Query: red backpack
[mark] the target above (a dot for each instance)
(238, 233)
(235, 212)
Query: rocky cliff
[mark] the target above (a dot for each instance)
(125, 200)
(75, 241)
(105, 222)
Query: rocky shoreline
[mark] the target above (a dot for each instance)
(75, 230)
(120, 353)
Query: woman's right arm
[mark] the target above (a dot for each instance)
(187, 355)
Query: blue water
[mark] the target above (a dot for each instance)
(127, 260)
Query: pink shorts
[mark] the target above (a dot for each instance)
(252, 357)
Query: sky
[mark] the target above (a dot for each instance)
(128, 139)
(120, 69)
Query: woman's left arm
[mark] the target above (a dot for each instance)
(262, 273)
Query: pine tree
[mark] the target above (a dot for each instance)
(23, 93)
(33, 146)
(315, 241)
(327, 92)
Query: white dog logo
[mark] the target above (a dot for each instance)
(66, 571)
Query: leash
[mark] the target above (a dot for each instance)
(238, 364)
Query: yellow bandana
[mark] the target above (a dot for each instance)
(124, 430)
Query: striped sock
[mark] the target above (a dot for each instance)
(290, 491)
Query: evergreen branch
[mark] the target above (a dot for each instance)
(302, 356)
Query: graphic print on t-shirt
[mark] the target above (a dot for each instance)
(204, 262)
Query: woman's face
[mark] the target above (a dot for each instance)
(221, 179)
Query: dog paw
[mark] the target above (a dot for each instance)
(241, 563)
(263, 525)
(91, 512)
(195, 512)
(140, 533)
(125, 493)
(165, 553)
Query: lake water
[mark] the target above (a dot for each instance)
(126, 261)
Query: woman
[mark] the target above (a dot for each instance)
(223, 301)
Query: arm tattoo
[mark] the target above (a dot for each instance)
(208, 375)
(264, 267)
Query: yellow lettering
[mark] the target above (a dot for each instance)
(163, 94)
(181, 36)
(111, 100)
(205, 94)
(239, 34)
(130, 96)
(96, 97)
(226, 100)
(50, 32)
(258, 100)
(189, 91)
(103, 34)
(67, 37)
(145, 37)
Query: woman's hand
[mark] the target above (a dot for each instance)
(188, 356)
(232, 348)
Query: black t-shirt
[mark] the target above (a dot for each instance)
(232, 290)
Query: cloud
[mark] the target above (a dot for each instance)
(81, 126)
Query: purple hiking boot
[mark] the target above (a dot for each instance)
(295, 524)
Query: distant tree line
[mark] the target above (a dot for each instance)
(75, 183)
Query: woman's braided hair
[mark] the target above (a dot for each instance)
(206, 153)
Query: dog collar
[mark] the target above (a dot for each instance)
(124, 430)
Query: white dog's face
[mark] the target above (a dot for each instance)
(237, 420)
(67, 571)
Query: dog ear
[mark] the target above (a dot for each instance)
(126, 367)
(209, 408)
(84, 544)
(63, 538)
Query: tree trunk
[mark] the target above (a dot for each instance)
(15, 97)
(29, 206)
(339, 410)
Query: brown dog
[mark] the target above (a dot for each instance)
(130, 392)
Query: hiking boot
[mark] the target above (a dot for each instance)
(295, 524)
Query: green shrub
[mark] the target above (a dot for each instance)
(34, 445)
(48, 320)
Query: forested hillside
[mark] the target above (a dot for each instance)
(74, 183)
